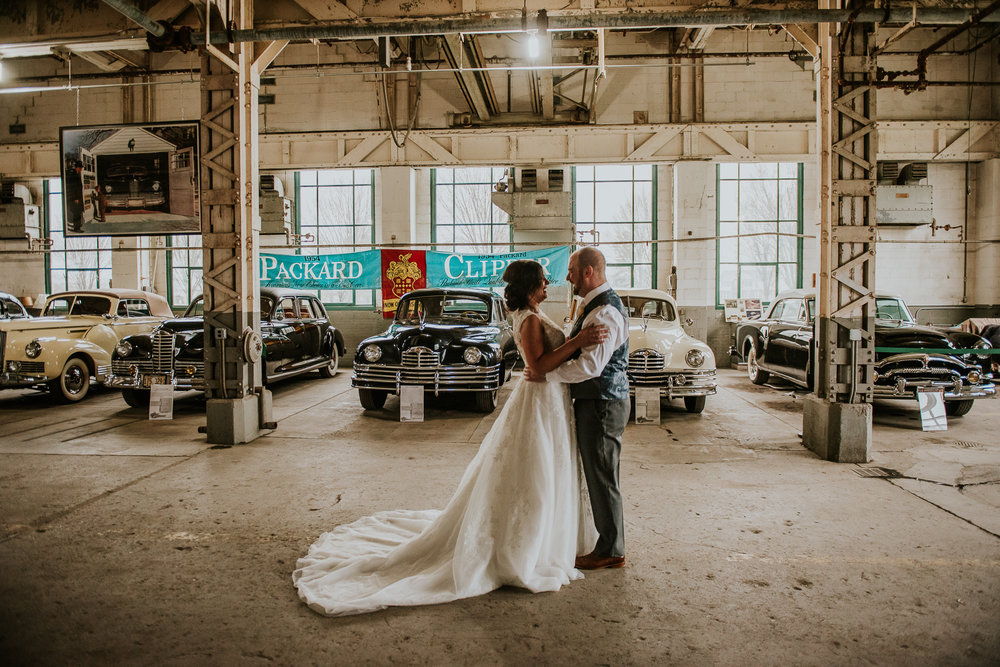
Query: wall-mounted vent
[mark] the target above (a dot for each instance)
(556, 180)
(529, 180)
(901, 173)
(271, 184)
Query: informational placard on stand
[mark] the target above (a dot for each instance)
(411, 403)
(647, 405)
(933, 416)
(161, 401)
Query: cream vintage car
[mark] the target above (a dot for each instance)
(662, 355)
(73, 338)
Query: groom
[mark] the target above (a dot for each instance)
(599, 387)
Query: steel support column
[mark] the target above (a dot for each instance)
(837, 421)
(238, 406)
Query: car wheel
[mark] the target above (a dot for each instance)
(73, 382)
(958, 408)
(694, 404)
(136, 398)
(330, 369)
(372, 399)
(754, 371)
(486, 401)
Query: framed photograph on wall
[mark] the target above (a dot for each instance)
(130, 179)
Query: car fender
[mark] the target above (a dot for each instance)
(55, 354)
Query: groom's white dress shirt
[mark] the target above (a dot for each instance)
(593, 359)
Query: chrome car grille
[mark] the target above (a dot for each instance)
(32, 367)
(435, 378)
(162, 357)
(420, 357)
(902, 375)
(645, 360)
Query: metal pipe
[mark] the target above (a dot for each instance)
(137, 16)
(592, 20)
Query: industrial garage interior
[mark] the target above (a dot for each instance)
(722, 153)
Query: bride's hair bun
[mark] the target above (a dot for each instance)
(523, 276)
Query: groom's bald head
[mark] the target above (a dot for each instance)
(586, 270)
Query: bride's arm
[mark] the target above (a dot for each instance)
(533, 344)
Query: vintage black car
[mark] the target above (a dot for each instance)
(298, 338)
(133, 186)
(11, 307)
(447, 340)
(907, 356)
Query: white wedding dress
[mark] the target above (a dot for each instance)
(519, 517)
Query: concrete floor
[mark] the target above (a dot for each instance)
(129, 541)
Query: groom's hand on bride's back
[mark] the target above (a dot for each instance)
(532, 375)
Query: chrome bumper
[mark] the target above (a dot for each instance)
(674, 384)
(907, 388)
(134, 376)
(433, 378)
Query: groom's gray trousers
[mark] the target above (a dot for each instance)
(599, 427)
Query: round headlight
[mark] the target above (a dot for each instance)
(695, 358)
(983, 345)
(33, 349)
(974, 377)
(472, 355)
(107, 188)
(372, 352)
(156, 186)
(124, 348)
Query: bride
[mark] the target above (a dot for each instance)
(520, 514)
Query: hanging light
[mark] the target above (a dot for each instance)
(534, 48)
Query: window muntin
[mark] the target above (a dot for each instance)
(184, 269)
(463, 217)
(759, 227)
(614, 206)
(335, 213)
(77, 262)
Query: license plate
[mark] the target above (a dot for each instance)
(150, 380)
(136, 202)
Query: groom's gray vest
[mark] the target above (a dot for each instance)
(613, 381)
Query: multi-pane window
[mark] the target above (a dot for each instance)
(463, 217)
(335, 213)
(78, 262)
(184, 266)
(614, 209)
(759, 223)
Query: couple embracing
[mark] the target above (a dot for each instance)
(521, 513)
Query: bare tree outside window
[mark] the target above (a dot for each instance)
(464, 217)
(758, 226)
(78, 262)
(613, 209)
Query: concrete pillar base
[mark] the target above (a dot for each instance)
(232, 421)
(840, 432)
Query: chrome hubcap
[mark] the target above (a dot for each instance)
(74, 380)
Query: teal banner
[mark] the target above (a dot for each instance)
(350, 270)
(445, 269)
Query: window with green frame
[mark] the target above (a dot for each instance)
(615, 208)
(335, 213)
(184, 266)
(759, 227)
(463, 217)
(81, 262)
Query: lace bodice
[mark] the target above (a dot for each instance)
(554, 336)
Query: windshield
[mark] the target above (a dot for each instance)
(642, 306)
(892, 309)
(443, 309)
(79, 305)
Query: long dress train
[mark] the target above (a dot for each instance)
(519, 517)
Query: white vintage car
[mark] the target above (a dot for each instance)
(660, 353)
(72, 341)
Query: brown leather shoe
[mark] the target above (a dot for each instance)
(594, 562)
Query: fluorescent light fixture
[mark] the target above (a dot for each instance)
(533, 46)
